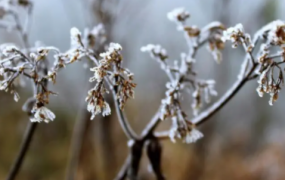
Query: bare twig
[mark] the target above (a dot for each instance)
(204, 116)
(122, 119)
(154, 151)
(14, 70)
(31, 127)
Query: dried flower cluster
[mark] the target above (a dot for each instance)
(273, 35)
(182, 76)
(271, 81)
(178, 15)
(32, 63)
(110, 68)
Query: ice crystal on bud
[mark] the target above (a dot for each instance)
(109, 68)
(268, 84)
(112, 55)
(276, 35)
(260, 91)
(8, 50)
(205, 90)
(273, 98)
(209, 90)
(192, 31)
(75, 33)
(186, 64)
(75, 37)
(52, 76)
(99, 73)
(95, 37)
(126, 91)
(193, 136)
(197, 101)
(99, 30)
(97, 103)
(178, 15)
(16, 96)
(156, 51)
(43, 51)
(115, 47)
(186, 132)
(215, 46)
(106, 109)
(233, 34)
(42, 114)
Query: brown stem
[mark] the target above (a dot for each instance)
(154, 153)
(204, 116)
(151, 126)
(16, 71)
(31, 126)
(23, 151)
(132, 162)
(122, 118)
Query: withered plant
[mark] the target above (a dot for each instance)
(32, 62)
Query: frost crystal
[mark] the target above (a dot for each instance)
(43, 114)
(178, 15)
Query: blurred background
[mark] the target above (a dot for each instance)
(242, 141)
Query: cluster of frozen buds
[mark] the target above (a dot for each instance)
(111, 71)
(211, 33)
(267, 83)
(274, 35)
(32, 63)
(178, 15)
(42, 114)
(237, 36)
(96, 102)
(181, 127)
(15, 63)
(182, 76)
(12, 64)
